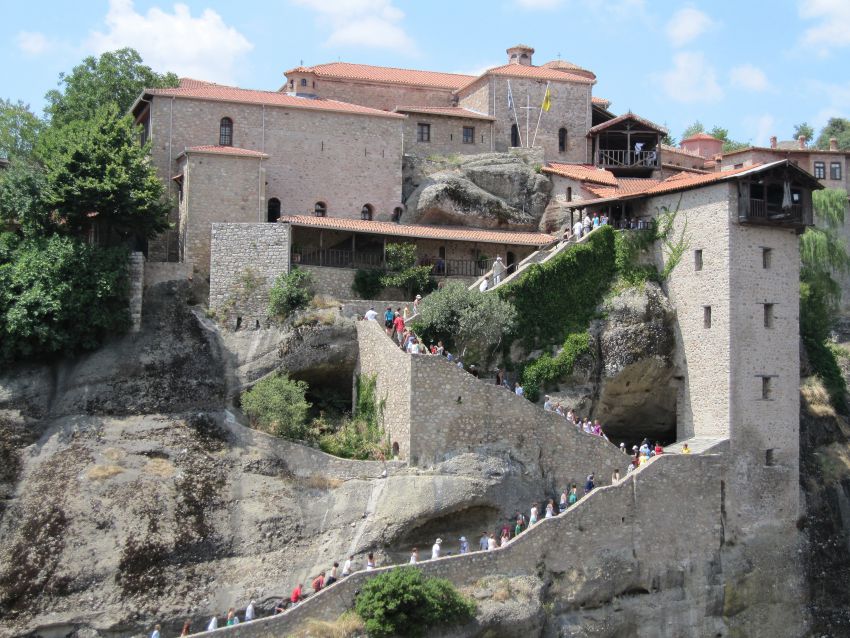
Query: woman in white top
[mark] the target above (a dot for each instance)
(346, 569)
(414, 556)
(533, 518)
(491, 543)
(370, 562)
(550, 509)
(435, 550)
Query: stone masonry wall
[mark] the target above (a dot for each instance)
(379, 96)
(136, 267)
(657, 529)
(435, 410)
(446, 135)
(246, 259)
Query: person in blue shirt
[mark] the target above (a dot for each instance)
(589, 485)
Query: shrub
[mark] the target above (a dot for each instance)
(367, 283)
(547, 368)
(60, 295)
(361, 437)
(276, 405)
(404, 602)
(290, 293)
(401, 272)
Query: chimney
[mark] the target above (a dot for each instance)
(802, 141)
(833, 144)
(772, 141)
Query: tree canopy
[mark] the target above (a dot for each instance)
(19, 129)
(719, 132)
(116, 77)
(837, 127)
(803, 129)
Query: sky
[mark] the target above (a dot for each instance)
(756, 67)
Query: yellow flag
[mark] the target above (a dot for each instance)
(547, 100)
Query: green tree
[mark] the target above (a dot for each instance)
(403, 602)
(469, 319)
(729, 144)
(693, 129)
(19, 129)
(290, 292)
(116, 77)
(402, 271)
(805, 130)
(96, 171)
(277, 405)
(23, 190)
(837, 127)
(59, 295)
(823, 256)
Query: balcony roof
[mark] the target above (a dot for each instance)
(626, 117)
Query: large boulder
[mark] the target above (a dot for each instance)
(488, 190)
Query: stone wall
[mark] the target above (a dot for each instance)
(435, 410)
(378, 96)
(332, 282)
(246, 259)
(446, 135)
(160, 272)
(656, 530)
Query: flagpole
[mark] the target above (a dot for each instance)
(513, 106)
(540, 116)
(527, 115)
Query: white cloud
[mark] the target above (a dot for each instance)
(832, 28)
(686, 25)
(202, 47)
(540, 4)
(366, 23)
(692, 79)
(32, 42)
(748, 77)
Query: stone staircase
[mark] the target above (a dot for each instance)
(699, 445)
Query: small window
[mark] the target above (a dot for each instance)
(706, 316)
(741, 165)
(469, 135)
(292, 84)
(320, 209)
(766, 256)
(698, 259)
(820, 170)
(303, 81)
(397, 211)
(766, 388)
(366, 212)
(274, 209)
(514, 135)
(225, 132)
(770, 457)
(569, 193)
(562, 140)
(835, 170)
(423, 132)
(768, 315)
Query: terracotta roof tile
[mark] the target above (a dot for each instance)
(422, 232)
(385, 74)
(623, 118)
(535, 72)
(781, 152)
(600, 101)
(701, 136)
(448, 111)
(224, 150)
(220, 93)
(666, 148)
(581, 172)
(624, 186)
(564, 65)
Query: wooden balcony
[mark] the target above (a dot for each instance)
(759, 211)
(617, 158)
(334, 258)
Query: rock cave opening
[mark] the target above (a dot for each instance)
(329, 388)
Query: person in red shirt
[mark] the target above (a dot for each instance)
(398, 326)
(658, 449)
(318, 582)
(296, 596)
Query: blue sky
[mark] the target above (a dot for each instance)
(756, 67)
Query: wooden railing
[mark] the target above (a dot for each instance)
(335, 258)
(761, 210)
(627, 159)
(460, 267)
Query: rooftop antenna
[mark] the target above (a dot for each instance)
(559, 55)
(302, 63)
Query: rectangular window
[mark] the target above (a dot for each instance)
(768, 315)
(766, 388)
(706, 316)
(766, 254)
(423, 132)
(469, 135)
(698, 259)
(820, 170)
(770, 457)
(835, 170)
(741, 165)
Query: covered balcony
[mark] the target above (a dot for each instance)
(628, 146)
(778, 197)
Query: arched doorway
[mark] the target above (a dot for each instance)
(367, 212)
(514, 136)
(397, 211)
(511, 262)
(274, 209)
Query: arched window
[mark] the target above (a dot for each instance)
(320, 209)
(274, 209)
(366, 212)
(225, 132)
(562, 140)
(514, 135)
(303, 81)
(397, 211)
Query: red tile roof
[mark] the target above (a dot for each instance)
(581, 172)
(700, 136)
(534, 72)
(224, 150)
(422, 232)
(624, 186)
(199, 90)
(782, 151)
(600, 101)
(564, 65)
(447, 111)
(623, 118)
(385, 74)
(666, 148)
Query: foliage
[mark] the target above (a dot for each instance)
(402, 271)
(403, 602)
(290, 292)
(693, 129)
(671, 249)
(465, 319)
(367, 283)
(361, 436)
(547, 368)
(718, 132)
(116, 77)
(669, 140)
(19, 129)
(803, 129)
(628, 247)
(277, 405)
(823, 255)
(59, 295)
(96, 170)
(23, 187)
(837, 127)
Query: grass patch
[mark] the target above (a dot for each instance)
(160, 467)
(103, 472)
(834, 460)
(319, 482)
(816, 398)
(325, 302)
(325, 317)
(348, 625)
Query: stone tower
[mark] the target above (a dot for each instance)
(520, 54)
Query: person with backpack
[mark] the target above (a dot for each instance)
(318, 583)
